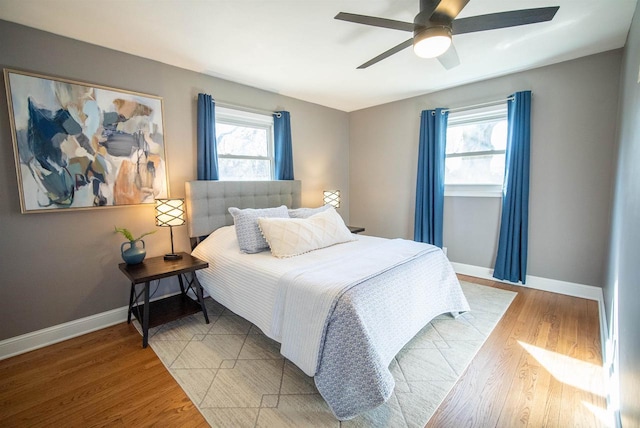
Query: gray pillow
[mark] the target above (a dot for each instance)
(249, 236)
(307, 212)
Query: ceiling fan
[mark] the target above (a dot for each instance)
(436, 22)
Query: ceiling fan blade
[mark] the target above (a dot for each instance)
(374, 21)
(494, 21)
(449, 59)
(447, 10)
(388, 53)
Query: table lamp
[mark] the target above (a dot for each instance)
(170, 212)
(332, 197)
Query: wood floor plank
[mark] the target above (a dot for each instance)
(531, 382)
(516, 412)
(545, 412)
(569, 347)
(585, 360)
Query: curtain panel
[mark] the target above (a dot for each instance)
(207, 146)
(511, 260)
(430, 180)
(283, 148)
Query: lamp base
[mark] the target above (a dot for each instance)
(172, 256)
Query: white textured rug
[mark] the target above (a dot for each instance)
(236, 376)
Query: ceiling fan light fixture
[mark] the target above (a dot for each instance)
(432, 42)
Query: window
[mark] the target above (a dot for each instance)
(475, 152)
(245, 145)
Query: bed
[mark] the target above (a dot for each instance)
(342, 312)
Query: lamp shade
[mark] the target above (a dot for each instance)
(432, 42)
(332, 197)
(170, 212)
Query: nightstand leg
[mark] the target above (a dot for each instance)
(145, 316)
(181, 283)
(200, 297)
(133, 292)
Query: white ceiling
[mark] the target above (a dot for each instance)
(296, 48)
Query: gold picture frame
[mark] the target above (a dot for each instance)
(79, 145)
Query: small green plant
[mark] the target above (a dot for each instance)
(127, 234)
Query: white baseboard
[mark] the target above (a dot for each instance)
(58, 333)
(545, 284)
(48, 336)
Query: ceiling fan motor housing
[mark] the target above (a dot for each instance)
(432, 42)
(431, 21)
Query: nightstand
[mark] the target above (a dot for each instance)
(355, 229)
(152, 314)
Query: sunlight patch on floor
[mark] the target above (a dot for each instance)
(576, 373)
(570, 371)
(603, 415)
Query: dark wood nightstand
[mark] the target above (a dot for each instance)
(355, 229)
(158, 312)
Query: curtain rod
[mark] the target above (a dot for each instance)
(247, 109)
(487, 104)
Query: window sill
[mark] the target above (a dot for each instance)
(473, 191)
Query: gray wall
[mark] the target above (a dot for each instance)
(572, 155)
(48, 278)
(624, 265)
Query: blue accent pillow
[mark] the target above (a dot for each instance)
(248, 232)
(307, 212)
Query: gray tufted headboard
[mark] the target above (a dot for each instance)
(208, 202)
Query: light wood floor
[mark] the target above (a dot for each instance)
(536, 369)
(105, 378)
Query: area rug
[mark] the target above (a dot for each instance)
(236, 376)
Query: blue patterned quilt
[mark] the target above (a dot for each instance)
(372, 321)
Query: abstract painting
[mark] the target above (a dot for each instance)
(79, 145)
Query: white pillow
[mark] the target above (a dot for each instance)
(294, 236)
(307, 212)
(250, 239)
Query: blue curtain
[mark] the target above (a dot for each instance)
(207, 146)
(430, 183)
(283, 150)
(511, 260)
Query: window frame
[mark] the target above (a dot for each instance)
(476, 115)
(237, 117)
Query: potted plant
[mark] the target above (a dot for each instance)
(133, 254)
